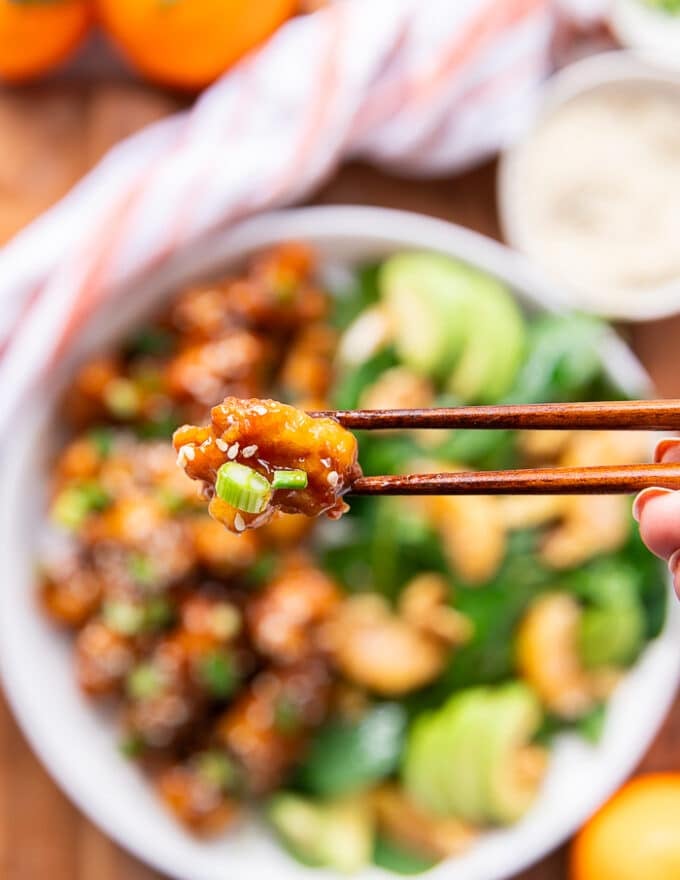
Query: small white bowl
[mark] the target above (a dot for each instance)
(579, 78)
(78, 744)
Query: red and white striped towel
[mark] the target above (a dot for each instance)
(423, 85)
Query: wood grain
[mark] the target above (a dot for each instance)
(53, 134)
(43, 837)
(601, 480)
(619, 415)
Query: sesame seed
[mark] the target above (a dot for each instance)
(186, 453)
(221, 445)
(239, 523)
(333, 478)
(232, 452)
(260, 410)
(249, 451)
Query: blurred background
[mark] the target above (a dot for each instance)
(587, 188)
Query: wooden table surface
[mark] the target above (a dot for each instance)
(42, 836)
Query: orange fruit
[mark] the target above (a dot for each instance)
(189, 43)
(35, 36)
(635, 836)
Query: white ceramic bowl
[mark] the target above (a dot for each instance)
(77, 744)
(578, 78)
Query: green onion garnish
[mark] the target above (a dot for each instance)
(102, 439)
(242, 487)
(122, 617)
(145, 682)
(217, 674)
(216, 768)
(75, 503)
(293, 479)
(122, 398)
(141, 569)
(286, 715)
(131, 745)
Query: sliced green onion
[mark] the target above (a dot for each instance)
(125, 618)
(73, 505)
(122, 398)
(158, 613)
(131, 745)
(145, 682)
(102, 439)
(242, 487)
(217, 673)
(293, 479)
(142, 569)
(286, 715)
(216, 768)
(171, 501)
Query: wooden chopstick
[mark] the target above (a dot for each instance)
(606, 480)
(620, 415)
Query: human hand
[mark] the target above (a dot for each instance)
(658, 512)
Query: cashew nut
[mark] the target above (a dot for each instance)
(547, 655)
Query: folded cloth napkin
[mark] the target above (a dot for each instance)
(425, 86)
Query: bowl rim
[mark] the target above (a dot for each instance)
(577, 78)
(319, 224)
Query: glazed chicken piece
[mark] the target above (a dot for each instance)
(209, 370)
(284, 617)
(197, 792)
(199, 663)
(103, 658)
(71, 591)
(260, 456)
(277, 293)
(267, 728)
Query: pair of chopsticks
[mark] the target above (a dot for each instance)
(629, 415)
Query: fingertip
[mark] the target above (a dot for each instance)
(659, 518)
(644, 498)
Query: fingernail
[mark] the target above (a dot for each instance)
(665, 449)
(674, 568)
(645, 496)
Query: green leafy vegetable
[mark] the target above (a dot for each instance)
(345, 757)
(348, 304)
(354, 382)
(388, 854)
(563, 359)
